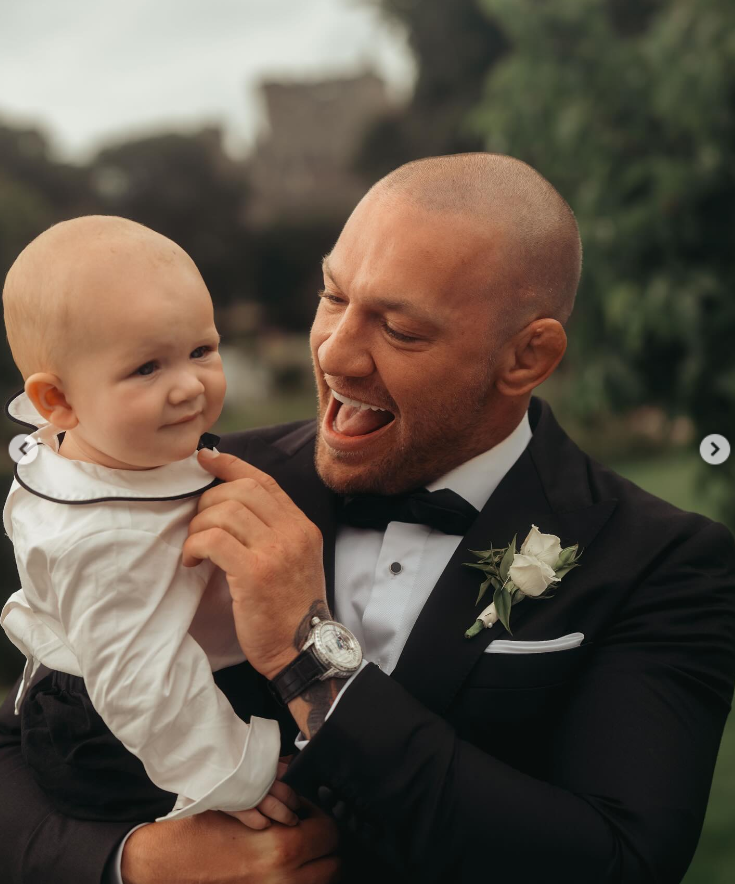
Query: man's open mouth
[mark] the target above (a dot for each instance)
(352, 418)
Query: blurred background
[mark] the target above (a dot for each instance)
(248, 131)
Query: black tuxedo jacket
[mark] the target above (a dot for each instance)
(588, 765)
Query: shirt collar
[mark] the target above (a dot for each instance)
(54, 477)
(476, 479)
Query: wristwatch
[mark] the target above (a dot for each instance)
(330, 651)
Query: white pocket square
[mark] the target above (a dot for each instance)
(563, 643)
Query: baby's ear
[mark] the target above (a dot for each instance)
(45, 392)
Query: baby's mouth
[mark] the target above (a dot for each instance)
(352, 417)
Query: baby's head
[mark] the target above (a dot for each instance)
(112, 327)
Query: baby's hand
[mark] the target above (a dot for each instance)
(279, 805)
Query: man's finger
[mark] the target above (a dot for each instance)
(229, 467)
(278, 811)
(286, 794)
(320, 834)
(239, 521)
(251, 818)
(251, 495)
(220, 547)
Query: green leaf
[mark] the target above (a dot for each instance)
(508, 559)
(501, 600)
(565, 570)
(483, 589)
(486, 554)
(486, 568)
(476, 628)
(565, 557)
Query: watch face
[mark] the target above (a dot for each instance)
(337, 646)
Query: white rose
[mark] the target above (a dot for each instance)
(531, 575)
(544, 547)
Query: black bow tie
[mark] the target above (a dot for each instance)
(208, 440)
(443, 510)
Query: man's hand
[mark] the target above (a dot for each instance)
(271, 554)
(214, 848)
(279, 805)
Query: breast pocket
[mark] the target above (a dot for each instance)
(498, 671)
(512, 689)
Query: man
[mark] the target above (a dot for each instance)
(447, 758)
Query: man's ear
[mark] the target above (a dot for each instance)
(530, 357)
(45, 392)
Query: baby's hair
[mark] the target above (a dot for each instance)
(44, 328)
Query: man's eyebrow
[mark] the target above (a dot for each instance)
(399, 305)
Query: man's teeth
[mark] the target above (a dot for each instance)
(354, 403)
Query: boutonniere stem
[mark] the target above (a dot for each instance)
(540, 563)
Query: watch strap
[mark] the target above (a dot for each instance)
(298, 675)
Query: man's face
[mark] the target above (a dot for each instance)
(402, 325)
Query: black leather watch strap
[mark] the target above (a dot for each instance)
(300, 673)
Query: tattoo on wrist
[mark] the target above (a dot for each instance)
(319, 696)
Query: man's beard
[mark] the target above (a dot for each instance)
(438, 442)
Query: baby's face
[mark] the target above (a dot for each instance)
(152, 360)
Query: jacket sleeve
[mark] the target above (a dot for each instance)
(631, 757)
(126, 604)
(37, 844)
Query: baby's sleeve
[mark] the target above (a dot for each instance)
(126, 603)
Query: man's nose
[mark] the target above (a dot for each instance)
(345, 351)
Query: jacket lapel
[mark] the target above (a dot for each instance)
(437, 658)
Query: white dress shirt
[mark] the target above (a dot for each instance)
(105, 596)
(379, 606)
(380, 603)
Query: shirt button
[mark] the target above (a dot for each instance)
(396, 568)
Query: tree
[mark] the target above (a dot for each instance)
(631, 115)
(187, 188)
(454, 44)
(36, 191)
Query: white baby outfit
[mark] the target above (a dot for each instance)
(105, 596)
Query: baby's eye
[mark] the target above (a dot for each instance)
(145, 365)
(203, 347)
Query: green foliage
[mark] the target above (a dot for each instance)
(454, 45)
(633, 121)
(36, 191)
(187, 188)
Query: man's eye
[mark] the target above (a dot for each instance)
(406, 339)
(328, 296)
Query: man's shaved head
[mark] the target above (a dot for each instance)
(533, 232)
(58, 280)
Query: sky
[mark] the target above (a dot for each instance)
(92, 72)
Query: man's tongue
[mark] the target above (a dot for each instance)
(359, 422)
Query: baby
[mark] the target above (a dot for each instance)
(112, 329)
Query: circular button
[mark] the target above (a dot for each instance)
(714, 449)
(23, 449)
(396, 568)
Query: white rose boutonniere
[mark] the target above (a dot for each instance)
(540, 563)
